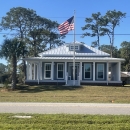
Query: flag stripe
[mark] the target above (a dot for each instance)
(67, 26)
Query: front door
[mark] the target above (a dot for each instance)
(71, 72)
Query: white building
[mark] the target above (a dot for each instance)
(55, 66)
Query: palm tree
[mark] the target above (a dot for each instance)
(11, 50)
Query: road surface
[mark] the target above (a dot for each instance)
(66, 108)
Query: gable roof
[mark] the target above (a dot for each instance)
(64, 50)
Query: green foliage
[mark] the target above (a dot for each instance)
(64, 122)
(5, 77)
(107, 49)
(125, 53)
(93, 27)
(34, 31)
(3, 68)
(110, 21)
(6, 84)
(99, 25)
(11, 50)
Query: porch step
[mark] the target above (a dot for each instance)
(71, 83)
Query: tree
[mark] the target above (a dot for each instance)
(3, 72)
(110, 21)
(29, 28)
(107, 49)
(11, 50)
(18, 21)
(37, 34)
(54, 38)
(3, 68)
(42, 32)
(93, 27)
(125, 53)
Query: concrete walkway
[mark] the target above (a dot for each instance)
(66, 108)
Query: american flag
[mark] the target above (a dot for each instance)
(67, 26)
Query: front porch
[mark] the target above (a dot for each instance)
(61, 73)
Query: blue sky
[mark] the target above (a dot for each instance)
(61, 10)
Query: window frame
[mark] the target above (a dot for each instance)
(47, 70)
(76, 47)
(88, 71)
(99, 71)
(58, 70)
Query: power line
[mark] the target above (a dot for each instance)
(66, 34)
(65, 17)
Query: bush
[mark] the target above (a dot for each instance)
(5, 78)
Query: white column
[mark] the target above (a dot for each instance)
(107, 72)
(119, 70)
(80, 71)
(52, 70)
(30, 71)
(93, 71)
(34, 71)
(27, 71)
(40, 66)
(39, 70)
(65, 70)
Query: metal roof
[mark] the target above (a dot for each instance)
(76, 58)
(64, 51)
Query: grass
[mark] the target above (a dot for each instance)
(86, 94)
(64, 122)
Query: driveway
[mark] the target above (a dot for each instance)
(66, 108)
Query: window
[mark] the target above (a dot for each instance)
(87, 71)
(72, 47)
(47, 70)
(33, 71)
(76, 47)
(100, 71)
(60, 72)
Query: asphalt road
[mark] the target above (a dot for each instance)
(66, 108)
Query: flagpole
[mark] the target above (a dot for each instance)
(74, 54)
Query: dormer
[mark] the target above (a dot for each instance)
(71, 47)
(77, 46)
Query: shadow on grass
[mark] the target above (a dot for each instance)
(40, 88)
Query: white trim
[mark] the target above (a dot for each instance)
(57, 70)
(65, 69)
(119, 71)
(80, 71)
(27, 71)
(52, 70)
(41, 70)
(97, 70)
(88, 71)
(31, 71)
(107, 71)
(45, 70)
(93, 71)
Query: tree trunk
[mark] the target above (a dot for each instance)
(112, 43)
(14, 64)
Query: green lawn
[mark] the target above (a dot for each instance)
(86, 94)
(64, 122)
